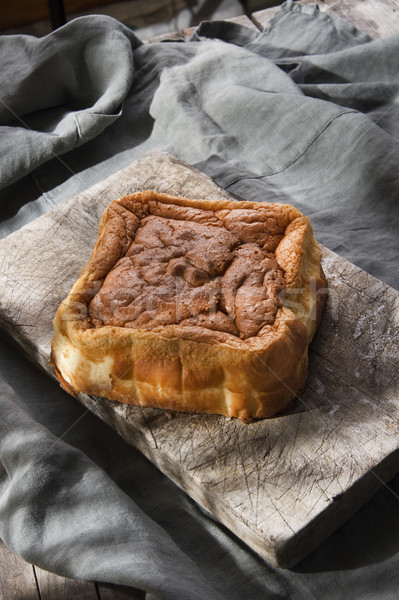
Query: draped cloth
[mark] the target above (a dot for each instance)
(305, 112)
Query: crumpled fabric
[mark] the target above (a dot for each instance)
(304, 112)
(60, 91)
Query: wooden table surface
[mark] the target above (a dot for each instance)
(20, 580)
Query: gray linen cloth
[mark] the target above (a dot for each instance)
(305, 112)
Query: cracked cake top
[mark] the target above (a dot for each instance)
(193, 267)
(194, 306)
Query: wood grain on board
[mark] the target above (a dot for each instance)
(20, 580)
(377, 18)
(17, 580)
(284, 484)
(53, 587)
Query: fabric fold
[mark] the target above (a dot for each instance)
(43, 492)
(62, 90)
(306, 113)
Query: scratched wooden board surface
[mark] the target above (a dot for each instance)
(282, 485)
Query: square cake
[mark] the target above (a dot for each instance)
(193, 305)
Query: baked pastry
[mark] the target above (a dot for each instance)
(195, 306)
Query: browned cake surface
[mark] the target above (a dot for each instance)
(199, 306)
(194, 269)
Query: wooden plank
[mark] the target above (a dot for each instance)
(17, 580)
(261, 18)
(53, 586)
(283, 484)
(377, 18)
(21, 580)
(14, 14)
(143, 11)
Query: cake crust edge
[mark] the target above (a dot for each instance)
(149, 368)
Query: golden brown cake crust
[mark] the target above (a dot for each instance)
(197, 306)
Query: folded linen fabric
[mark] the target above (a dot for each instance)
(304, 112)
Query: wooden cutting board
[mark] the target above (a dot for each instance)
(281, 485)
